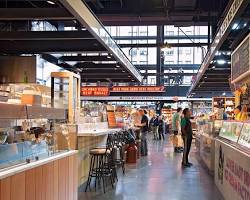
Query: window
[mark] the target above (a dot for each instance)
(188, 62)
(180, 62)
(169, 52)
(143, 52)
(188, 51)
(170, 62)
(171, 33)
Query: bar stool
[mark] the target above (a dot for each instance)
(101, 165)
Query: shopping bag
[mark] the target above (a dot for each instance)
(179, 141)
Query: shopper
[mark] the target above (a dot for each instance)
(176, 128)
(187, 135)
(160, 127)
(154, 126)
(144, 131)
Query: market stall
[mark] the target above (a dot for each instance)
(232, 160)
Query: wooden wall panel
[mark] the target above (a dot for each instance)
(75, 181)
(71, 178)
(17, 189)
(62, 179)
(30, 184)
(5, 189)
(39, 183)
(56, 180)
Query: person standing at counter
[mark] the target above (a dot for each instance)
(239, 114)
(144, 131)
(160, 128)
(187, 135)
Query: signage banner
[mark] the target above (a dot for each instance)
(138, 89)
(232, 172)
(105, 91)
(94, 91)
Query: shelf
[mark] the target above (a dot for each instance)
(18, 111)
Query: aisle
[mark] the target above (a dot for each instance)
(161, 177)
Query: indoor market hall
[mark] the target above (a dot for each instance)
(124, 100)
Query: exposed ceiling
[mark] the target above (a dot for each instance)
(153, 12)
(215, 77)
(95, 58)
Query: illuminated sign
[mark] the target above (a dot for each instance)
(94, 91)
(138, 89)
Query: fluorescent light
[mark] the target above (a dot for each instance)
(123, 71)
(229, 62)
(245, 24)
(133, 80)
(108, 56)
(205, 77)
(51, 2)
(129, 76)
(221, 62)
(224, 93)
(213, 67)
(118, 66)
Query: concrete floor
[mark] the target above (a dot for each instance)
(160, 177)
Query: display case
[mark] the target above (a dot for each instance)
(207, 131)
(27, 133)
(231, 131)
(244, 139)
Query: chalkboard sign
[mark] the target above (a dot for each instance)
(241, 60)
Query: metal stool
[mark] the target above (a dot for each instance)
(101, 165)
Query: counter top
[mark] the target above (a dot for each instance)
(100, 132)
(27, 166)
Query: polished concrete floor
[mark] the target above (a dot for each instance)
(159, 176)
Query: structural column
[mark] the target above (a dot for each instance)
(160, 57)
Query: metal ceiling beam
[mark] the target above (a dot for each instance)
(157, 45)
(85, 17)
(172, 66)
(10, 14)
(46, 35)
(47, 46)
(235, 10)
(86, 58)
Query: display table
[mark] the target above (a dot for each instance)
(52, 178)
(95, 133)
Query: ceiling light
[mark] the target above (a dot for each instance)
(165, 46)
(123, 71)
(229, 62)
(51, 2)
(133, 80)
(213, 67)
(205, 77)
(221, 62)
(235, 26)
(118, 66)
(129, 76)
(108, 56)
(245, 24)
(224, 94)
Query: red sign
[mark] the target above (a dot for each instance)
(138, 89)
(94, 91)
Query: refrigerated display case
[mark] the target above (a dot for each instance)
(207, 131)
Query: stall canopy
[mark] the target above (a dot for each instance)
(67, 34)
(213, 78)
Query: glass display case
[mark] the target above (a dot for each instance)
(231, 130)
(207, 131)
(27, 133)
(244, 138)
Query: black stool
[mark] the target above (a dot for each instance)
(101, 165)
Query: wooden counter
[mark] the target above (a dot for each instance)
(53, 178)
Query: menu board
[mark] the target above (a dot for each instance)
(231, 130)
(244, 138)
(240, 59)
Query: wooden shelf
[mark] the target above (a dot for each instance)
(18, 111)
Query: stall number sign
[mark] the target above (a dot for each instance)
(95, 91)
(138, 89)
